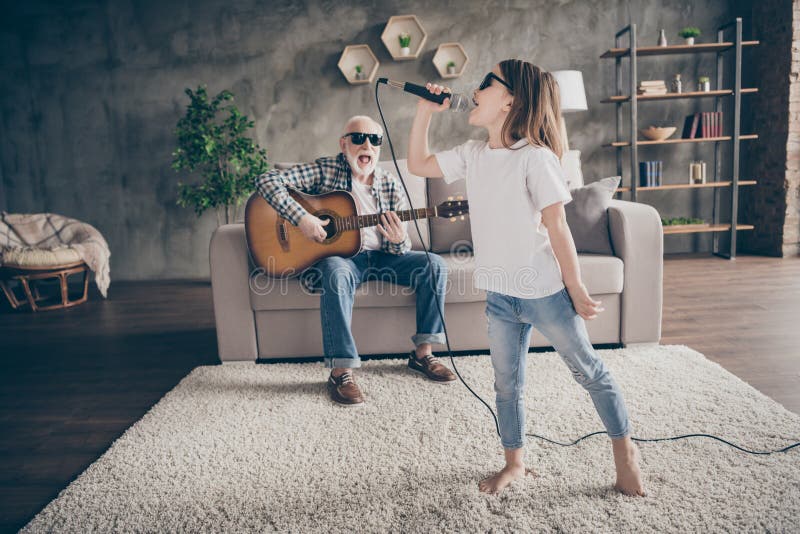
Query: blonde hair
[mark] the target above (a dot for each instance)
(536, 108)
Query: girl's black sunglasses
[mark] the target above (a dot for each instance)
(358, 138)
(487, 81)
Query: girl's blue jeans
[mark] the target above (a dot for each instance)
(510, 321)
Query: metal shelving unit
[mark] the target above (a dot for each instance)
(720, 47)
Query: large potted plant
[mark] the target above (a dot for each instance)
(212, 144)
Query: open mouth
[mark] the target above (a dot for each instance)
(364, 159)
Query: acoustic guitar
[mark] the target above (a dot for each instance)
(281, 249)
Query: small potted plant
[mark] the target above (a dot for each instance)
(689, 33)
(360, 74)
(703, 83)
(451, 67)
(405, 41)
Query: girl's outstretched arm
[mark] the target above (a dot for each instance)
(420, 161)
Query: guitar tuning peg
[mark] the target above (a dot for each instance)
(449, 198)
(452, 219)
(460, 197)
(462, 217)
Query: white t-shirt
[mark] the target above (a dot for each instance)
(507, 190)
(370, 238)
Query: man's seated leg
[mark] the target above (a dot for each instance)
(429, 282)
(338, 279)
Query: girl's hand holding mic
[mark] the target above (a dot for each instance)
(433, 107)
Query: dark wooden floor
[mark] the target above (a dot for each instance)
(74, 381)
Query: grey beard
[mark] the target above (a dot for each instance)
(356, 170)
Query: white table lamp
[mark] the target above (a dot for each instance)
(572, 95)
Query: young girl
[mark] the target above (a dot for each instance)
(516, 185)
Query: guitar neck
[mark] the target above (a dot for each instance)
(365, 221)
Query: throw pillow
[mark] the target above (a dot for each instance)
(587, 215)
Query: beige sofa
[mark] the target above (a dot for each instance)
(259, 318)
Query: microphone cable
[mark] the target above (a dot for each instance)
(447, 338)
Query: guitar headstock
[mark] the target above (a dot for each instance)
(453, 208)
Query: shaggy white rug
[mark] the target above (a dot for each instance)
(248, 447)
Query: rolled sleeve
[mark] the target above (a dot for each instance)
(399, 248)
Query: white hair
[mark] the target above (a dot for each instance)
(358, 118)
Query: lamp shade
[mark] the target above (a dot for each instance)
(571, 91)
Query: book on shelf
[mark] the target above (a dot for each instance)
(652, 87)
(650, 173)
(702, 125)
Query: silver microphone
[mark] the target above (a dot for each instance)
(458, 102)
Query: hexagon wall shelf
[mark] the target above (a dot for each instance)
(446, 53)
(400, 24)
(358, 55)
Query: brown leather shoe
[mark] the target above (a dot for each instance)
(431, 367)
(344, 390)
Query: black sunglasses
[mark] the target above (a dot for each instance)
(358, 138)
(487, 81)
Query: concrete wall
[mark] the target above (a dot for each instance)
(92, 92)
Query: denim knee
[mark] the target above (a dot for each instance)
(335, 275)
(507, 392)
(437, 268)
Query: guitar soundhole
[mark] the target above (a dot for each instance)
(330, 228)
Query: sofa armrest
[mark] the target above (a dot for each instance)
(638, 240)
(230, 279)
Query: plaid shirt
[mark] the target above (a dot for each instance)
(330, 174)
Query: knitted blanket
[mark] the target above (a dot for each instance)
(48, 231)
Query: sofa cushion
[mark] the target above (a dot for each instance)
(601, 274)
(587, 216)
(447, 234)
(31, 257)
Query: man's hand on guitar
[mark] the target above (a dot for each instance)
(312, 227)
(392, 227)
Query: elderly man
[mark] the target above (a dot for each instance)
(385, 248)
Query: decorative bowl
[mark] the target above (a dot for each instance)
(655, 133)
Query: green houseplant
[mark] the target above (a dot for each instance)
(672, 221)
(212, 143)
(405, 43)
(689, 33)
(451, 67)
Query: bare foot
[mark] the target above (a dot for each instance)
(497, 482)
(626, 459)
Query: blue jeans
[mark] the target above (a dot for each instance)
(510, 320)
(338, 279)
